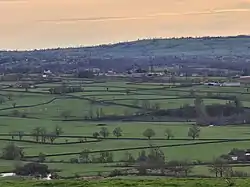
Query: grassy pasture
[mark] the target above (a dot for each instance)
(48, 114)
(149, 182)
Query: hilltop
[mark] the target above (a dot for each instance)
(163, 51)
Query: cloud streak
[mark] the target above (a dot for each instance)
(150, 16)
(12, 1)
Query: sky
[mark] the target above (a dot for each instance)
(35, 24)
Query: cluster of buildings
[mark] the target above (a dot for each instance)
(242, 80)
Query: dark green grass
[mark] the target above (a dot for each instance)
(127, 182)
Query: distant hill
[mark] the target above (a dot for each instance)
(161, 47)
(233, 45)
(197, 50)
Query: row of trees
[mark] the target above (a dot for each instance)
(104, 132)
(85, 157)
(40, 134)
(146, 104)
(193, 132)
(65, 89)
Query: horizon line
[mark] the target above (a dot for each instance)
(121, 42)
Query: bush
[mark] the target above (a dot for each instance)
(239, 174)
(15, 113)
(32, 169)
(12, 152)
(115, 173)
(23, 115)
(74, 161)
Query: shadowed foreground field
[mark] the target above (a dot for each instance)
(131, 182)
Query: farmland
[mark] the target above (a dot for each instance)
(131, 182)
(112, 105)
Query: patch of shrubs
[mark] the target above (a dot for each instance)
(32, 169)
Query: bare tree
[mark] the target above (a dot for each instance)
(43, 134)
(194, 132)
(104, 132)
(36, 132)
(117, 132)
(20, 135)
(14, 105)
(84, 156)
(58, 130)
(51, 137)
(66, 114)
(219, 167)
(96, 134)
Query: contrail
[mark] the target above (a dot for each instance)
(150, 16)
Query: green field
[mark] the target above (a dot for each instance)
(38, 108)
(131, 182)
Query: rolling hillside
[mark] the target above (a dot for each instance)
(189, 50)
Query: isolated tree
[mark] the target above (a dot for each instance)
(41, 157)
(2, 100)
(104, 132)
(58, 130)
(145, 104)
(128, 157)
(110, 157)
(96, 134)
(194, 132)
(81, 140)
(101, 113)
(117, 132)
(12, 152)
(43, 134)
(12, 134)
(186, 167)
(36, 132)
(192, 93)
(126, 112)
(165, 71)
(142, 156)
(97, 113)
(26, 87)
(51, 137)
(156, 157)
(238, 104)
(149, 133)
(91, 113)
(84, 156)
(106, 157)
(20, 134)
(135, 102)
(14, 105)
(15, 113)
(66, 114)
(92, 100)
(156, 106)
(10, 96)
(169, 134)
(127, 91)
(172, 79)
